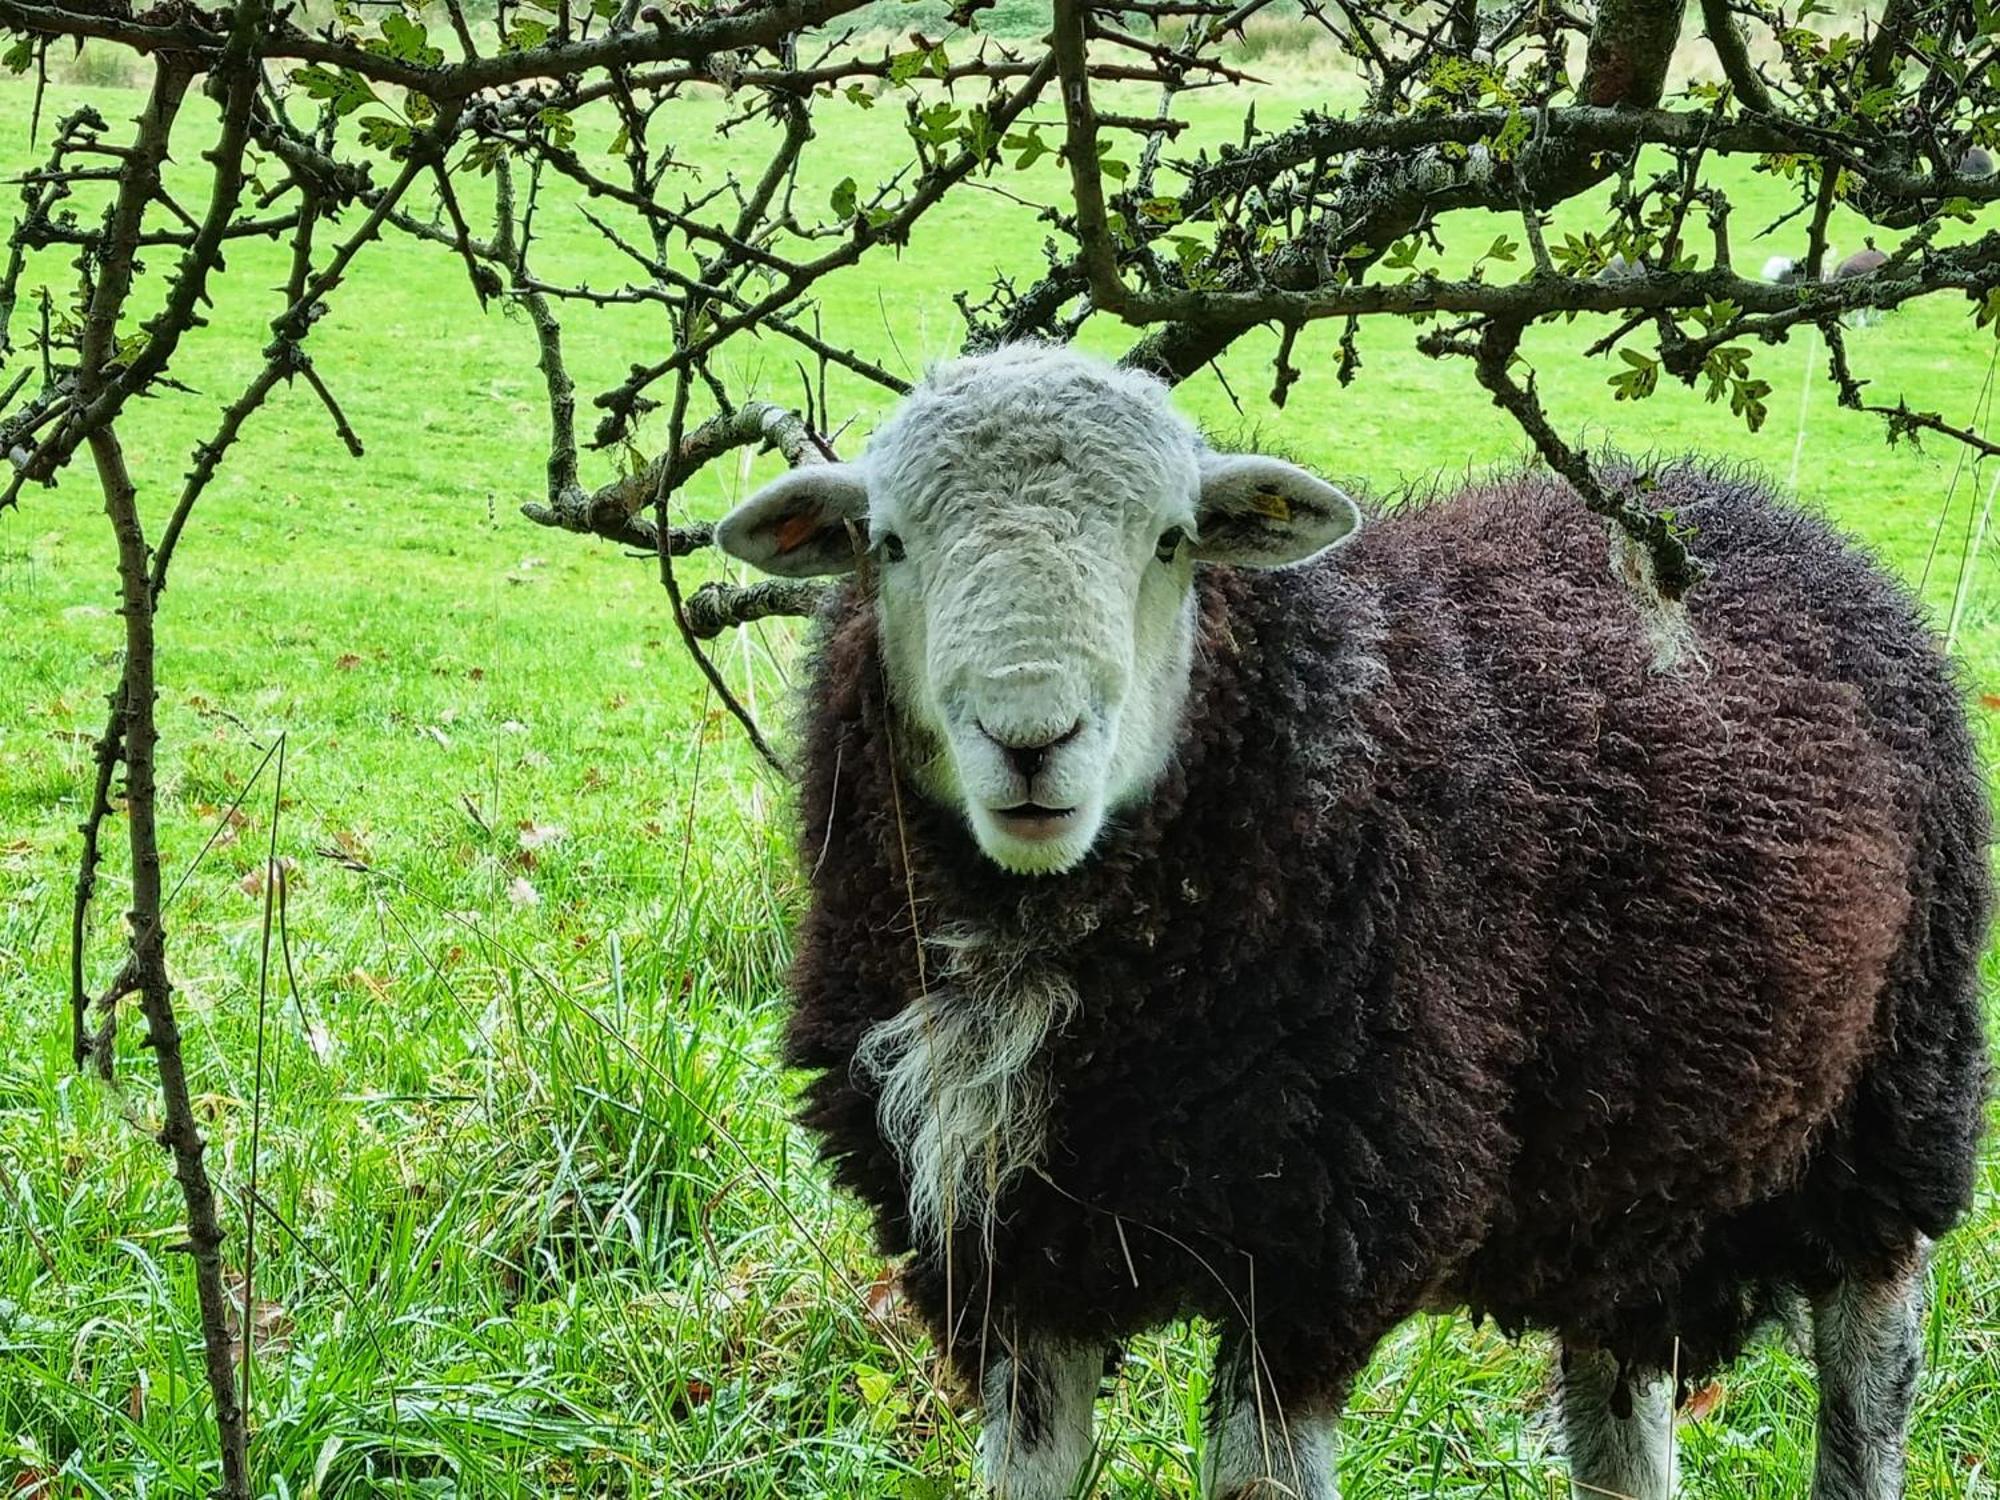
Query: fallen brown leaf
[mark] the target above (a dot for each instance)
(1702, 1402)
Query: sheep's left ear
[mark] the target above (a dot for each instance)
(796, 526)
(1265, 513)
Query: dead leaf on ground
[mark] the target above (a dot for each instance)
(347, 661)
(693, 1393)
(270, 1325)
(377, 989)
(883, 1301)
(1700, 1403)
(252, 884)
(234, 821)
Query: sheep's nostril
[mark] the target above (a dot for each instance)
(1027, 759)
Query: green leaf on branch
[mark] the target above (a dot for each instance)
(343, 90)
(380, 133)
(1715, 314)
(560, 128)
(1746, 400)
(978, 136)
(1031, 146)
(1638, 380)
(936, 126)
(485, 155)
(525, 35)
(406, 41)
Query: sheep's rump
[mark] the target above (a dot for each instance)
(1461, 956)
(1748, 898)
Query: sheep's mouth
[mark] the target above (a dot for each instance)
(1033, 822)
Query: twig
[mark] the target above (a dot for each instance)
(1674, 569)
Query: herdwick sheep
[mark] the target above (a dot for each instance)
(1207, 922)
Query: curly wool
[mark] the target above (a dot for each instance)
(1460, 957)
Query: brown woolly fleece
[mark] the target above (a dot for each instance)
(1461, 957)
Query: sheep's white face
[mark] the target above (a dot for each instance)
(1032, 520)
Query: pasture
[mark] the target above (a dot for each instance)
(531, 1217)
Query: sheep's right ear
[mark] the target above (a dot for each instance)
(797, 525)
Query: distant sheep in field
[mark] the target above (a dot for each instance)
(1206, 922)
(1618, 268)
(1785, 271)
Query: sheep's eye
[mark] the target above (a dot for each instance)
(890, 546)
(1169, 546)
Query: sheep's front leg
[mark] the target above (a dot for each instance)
(1261, 1446)
(1040, 1400)
(1621, 1446)
(1867, 1341)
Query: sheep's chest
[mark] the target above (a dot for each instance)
(1099, 1145)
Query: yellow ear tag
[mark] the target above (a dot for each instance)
(1270, 503)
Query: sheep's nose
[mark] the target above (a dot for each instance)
(1027, 755)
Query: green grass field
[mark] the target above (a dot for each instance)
(534, 1221)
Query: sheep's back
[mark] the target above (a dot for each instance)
(1747, 857)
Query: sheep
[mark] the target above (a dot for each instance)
(1222, 907)
(1782, 270)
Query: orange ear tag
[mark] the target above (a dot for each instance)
(795, 531)
(1270, 503)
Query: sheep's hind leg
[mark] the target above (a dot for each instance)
(1260, 1447)
(1867, 1340)
(1620, 1443)
(1040, 1400)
